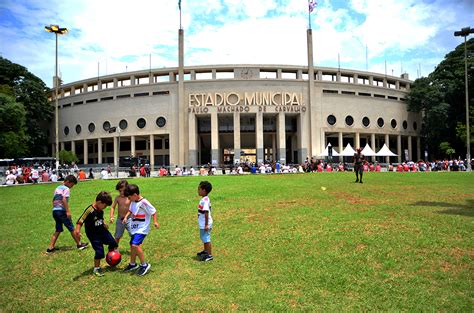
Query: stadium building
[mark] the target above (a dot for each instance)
(221, 114)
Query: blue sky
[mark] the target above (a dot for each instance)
(119, 35)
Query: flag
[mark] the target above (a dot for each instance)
(312, 5)
(179, 4)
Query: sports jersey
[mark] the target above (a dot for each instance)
(141, 212)
(204, 206)
(93, 221)
(60, 193)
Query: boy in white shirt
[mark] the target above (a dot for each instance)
(142, 211)
(205, 220)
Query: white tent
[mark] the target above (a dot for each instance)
(385, 151)
(367, 151)
(348, 151)
(326, 152)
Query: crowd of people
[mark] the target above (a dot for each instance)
(44, 173)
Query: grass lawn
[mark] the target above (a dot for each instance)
(397, 242)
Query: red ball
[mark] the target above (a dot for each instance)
(113, 258)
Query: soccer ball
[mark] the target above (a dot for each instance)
(113, 258)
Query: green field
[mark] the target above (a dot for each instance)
(400, 241)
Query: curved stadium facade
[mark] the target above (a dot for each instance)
(229, 113)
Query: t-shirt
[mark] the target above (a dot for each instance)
(204, 206)
(141, 212)
(60, 193)
(93, 221)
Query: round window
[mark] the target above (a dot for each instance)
(106, 126)
(405, 125)
(331, 119)
(141, 122)
(415, 126)
(349, 120)
(161, 121)
(78, 129)
(66, 130)
(380, 122)
(123, 124)
(91, 127)
(393, 122)
(366, 121)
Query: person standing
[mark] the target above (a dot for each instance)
(359, 165)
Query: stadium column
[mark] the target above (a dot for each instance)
(399, 148)
(357, 140)
(418, 148)
(303, 132)
(237, 137)
(132, 146)
(387, 142)
(62, 145)
(86, 152)
(214, 139)
(192, 133)
(259, 136)
(99, 150)
(372, 141)
(410, 155)
(73, 146)
(115, 151)
(152, 151)
(281, 138)
(341, 145)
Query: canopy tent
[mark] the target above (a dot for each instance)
(367, 151)
(325, 153)
(348, 151)
(385, 151)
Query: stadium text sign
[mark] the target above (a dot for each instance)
(240, 102)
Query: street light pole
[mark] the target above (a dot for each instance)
(57, 31)
(464, 33)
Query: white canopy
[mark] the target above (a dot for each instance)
(326, 152)
(385, 151)
(367, 151)
(348, 151)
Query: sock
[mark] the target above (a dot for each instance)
(96, 269)
(133, 264)
(144, 264)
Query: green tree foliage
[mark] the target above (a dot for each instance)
(12, 127)
(67, 157)
(441, 99)
(31, 92)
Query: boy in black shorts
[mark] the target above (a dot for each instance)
(96, 229)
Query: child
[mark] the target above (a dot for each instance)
(96, 229)
(141, 211)
(123, 205)
(62, 213)
(205, 220)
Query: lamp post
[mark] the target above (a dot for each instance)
(464, 32)
(58, 31)
(113, 130)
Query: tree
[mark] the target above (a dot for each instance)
(13, 141)
(67, 157)
(440, 98)
(29, 90)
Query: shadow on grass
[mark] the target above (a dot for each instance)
(107, 269)
(451, 208)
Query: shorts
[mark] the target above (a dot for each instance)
(205, 235)
(99, 240)
(137, 239)
(120, 228)
(61, 218)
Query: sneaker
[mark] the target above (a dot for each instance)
(208, 258)
(203, 252)
(360, 182)
(98, 272)
(49, 251)
(131, 267)
(82, 246)
(357, 181)
(143, 269)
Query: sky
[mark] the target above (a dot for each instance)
(114, 36)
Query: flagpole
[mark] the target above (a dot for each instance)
(179, 5)
(309, 15)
